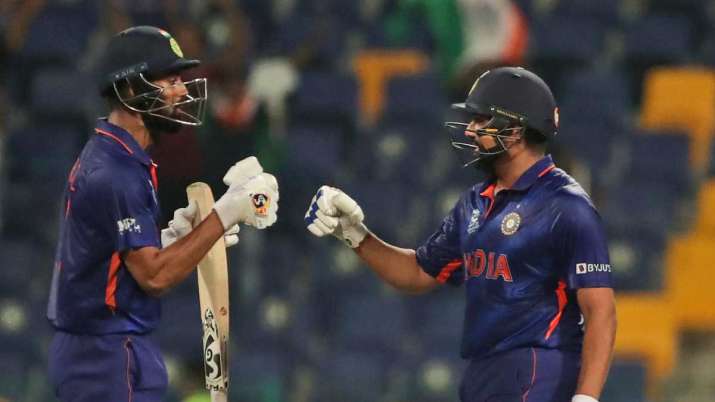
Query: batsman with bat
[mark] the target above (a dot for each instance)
(112, 261)
(527, 244)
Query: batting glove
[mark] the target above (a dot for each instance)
(333, 212)
(254, 203)
(181, 225)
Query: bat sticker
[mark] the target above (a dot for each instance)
(212, 353)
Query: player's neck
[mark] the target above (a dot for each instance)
(133, 124)
(509, 169)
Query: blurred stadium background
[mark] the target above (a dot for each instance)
(354, 93)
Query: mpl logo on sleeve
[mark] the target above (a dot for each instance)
(128, 225)
(585, 268)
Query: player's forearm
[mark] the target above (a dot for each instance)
(177, 261)
(597, 351)
(396, 266)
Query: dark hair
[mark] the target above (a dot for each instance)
(535, 139)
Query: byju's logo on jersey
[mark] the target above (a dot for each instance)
(473, 222)
(584, 268)
(128, 225)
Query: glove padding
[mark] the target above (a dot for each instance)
(254, 202)
(333, 212)
(181, 225)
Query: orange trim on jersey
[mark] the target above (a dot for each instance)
(489, 193)
(154, 177)
(129, 365)
(547, 170)
(447, 270)
(111, 288)
(562, 300)
(533, 375)
(115, 138)
(67, 207)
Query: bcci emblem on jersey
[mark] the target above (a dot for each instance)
(510, 223)
(473, 222)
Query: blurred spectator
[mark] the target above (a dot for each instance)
(467, 36)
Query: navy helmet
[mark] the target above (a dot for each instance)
(137, 56)
(512, 99)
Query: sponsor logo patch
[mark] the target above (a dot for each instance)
(585, 268)
(261, 202)
(128, 225)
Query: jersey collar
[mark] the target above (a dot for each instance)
(123, 140)
(537, 170)
(525, 181)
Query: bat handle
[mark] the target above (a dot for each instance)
(219, 396)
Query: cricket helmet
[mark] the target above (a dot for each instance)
(512, 98)
(137, 56)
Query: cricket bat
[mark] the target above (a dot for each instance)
(212, 276)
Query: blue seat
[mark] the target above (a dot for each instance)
(22, 260)
(352, 376)
(415, 99)
(575, 40)
(371, 323)
(60, 32)
(663, 157)
(324, 97)
(626, 382)
(658, 39)
(59, 94)
(439, 322)
(637, 254)
(315, 151)
(590, 143)
(259, 374)
(606, 12)
(594, 96)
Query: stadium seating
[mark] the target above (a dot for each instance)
(647, 329)
(669, 103)
(705, 218)
(374, 68)
(687, 258)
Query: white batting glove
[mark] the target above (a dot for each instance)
(181, 225)
(583, 398)
(254, 203)
(333, 212)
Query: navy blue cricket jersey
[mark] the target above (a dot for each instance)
(110, 206)
(522, 254)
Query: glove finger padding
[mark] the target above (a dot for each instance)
(230, 240)
(348, 207)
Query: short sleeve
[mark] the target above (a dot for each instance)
(581, 245)
(440, 255)
(130, 207)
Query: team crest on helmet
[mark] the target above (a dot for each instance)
(510, 223)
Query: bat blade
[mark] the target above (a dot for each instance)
(212, 274)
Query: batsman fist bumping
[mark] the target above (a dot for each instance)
(527, 243)
(110, 266)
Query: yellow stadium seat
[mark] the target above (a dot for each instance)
(682, 98)
(374, 68)
(688, 288)
(647, 330)
(705, 223)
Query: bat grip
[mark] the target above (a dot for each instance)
(219, 396)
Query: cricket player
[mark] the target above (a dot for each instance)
(112, 263)
(527, 243)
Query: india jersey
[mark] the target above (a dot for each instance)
(110, 206)
(521, 254)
